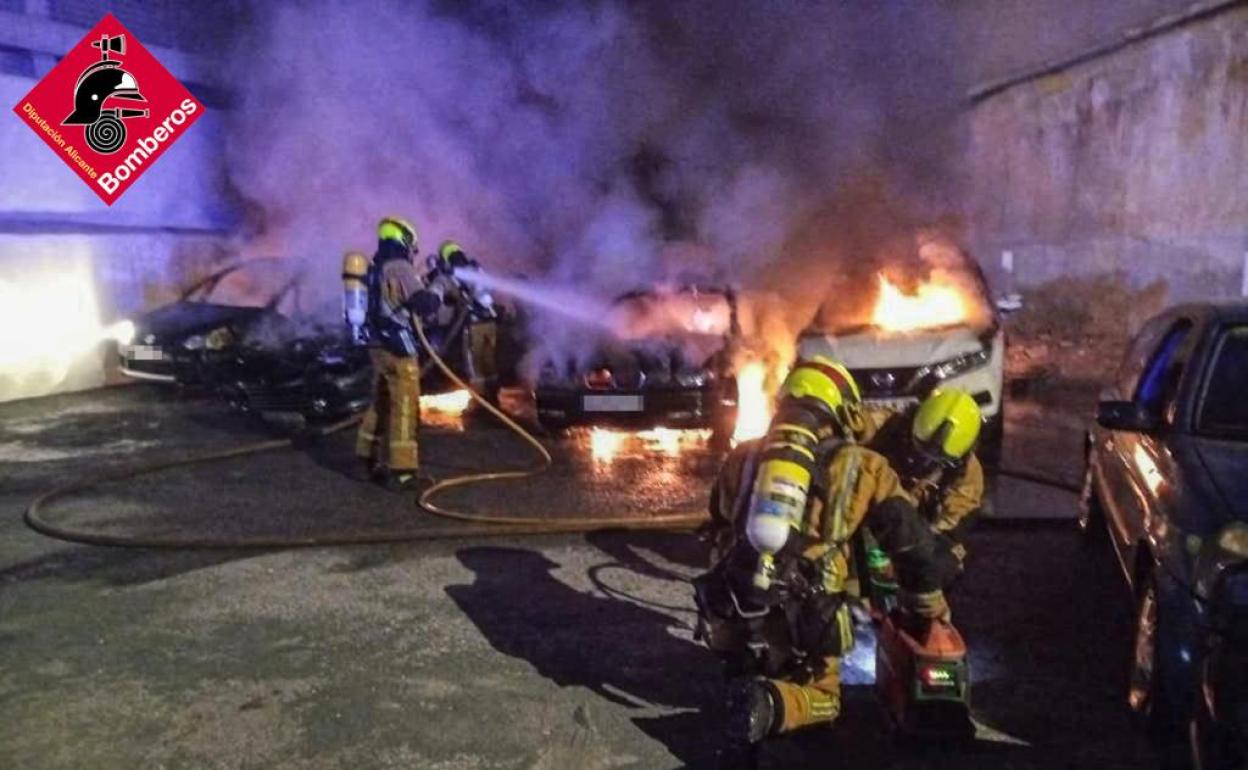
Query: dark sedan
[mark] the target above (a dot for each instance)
(183, 342)
(666, 363)
(1167, 478)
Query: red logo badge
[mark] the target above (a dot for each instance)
(109, 109)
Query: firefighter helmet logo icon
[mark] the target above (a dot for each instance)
(98, 86)
(112, 132)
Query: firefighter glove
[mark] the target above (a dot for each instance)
(822, 625)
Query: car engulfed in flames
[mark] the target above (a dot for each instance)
(931, 325)
(665, 363)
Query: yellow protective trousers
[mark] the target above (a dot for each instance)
(387, 435)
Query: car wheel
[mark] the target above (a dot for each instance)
(1091, 521)
(1144, 691)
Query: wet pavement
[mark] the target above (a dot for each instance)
(509, 652)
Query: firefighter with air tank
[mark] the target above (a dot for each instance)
(775, 603)
(382, 300)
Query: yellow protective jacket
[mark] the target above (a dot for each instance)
(856, 486)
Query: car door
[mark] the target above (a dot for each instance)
(1137, 464)
(1108, 471)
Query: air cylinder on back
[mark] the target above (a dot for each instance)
(355, 292)
(781, 488)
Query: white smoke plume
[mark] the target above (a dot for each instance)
(604, 144)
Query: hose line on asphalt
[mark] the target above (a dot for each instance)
(584, 524)
(466, 524)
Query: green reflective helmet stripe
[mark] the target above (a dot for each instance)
(398, 230)
(447, 249)
(948, 420)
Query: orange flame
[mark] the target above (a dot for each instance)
(452, 404)
(932, 305)
(607, 445)
(753, 405)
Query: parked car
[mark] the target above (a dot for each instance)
(667, 364)
(327, 375)
(181, 342)
(896, 369)
(1167, 480)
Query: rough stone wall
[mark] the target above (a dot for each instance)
(1133, 163)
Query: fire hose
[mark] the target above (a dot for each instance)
(467, 524)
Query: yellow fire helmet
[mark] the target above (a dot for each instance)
(448, 249)
(399, 230)
(829, 383)
(948, 421)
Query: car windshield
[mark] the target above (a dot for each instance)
(1223, 409)
(251, 283)
(687, 312)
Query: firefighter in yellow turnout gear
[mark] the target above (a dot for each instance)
(931, 448)
(774, 604)
(387, 438)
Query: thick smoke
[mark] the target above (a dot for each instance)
(604, 145)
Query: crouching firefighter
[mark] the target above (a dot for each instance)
(775, 603)
(396, 294)
(931, 448)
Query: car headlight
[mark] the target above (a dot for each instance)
(193, 342)
(960, 365)
(122, 332)
(1233, 540)
(218, 338)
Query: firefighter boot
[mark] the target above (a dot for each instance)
(815, 703)
(751, 712)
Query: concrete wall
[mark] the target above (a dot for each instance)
(1132, 161)
(69, 265)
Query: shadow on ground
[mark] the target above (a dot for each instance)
(619, 650)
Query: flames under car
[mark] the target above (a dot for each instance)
(666, 363)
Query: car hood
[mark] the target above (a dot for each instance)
(184, 318)
(1225, 461)
(875, 349)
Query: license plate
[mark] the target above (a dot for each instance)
(144, 353)
(613, 403)
(889, 404)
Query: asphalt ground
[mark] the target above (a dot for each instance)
(567, 651)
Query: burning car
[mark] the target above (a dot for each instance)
(328, 375)
(665, 362)
(938, 329)
(181, 342)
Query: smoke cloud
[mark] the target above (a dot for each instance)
(603, 144)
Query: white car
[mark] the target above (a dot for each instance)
(898, 362)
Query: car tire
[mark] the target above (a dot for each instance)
(1144, 692)
(1091, 520)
